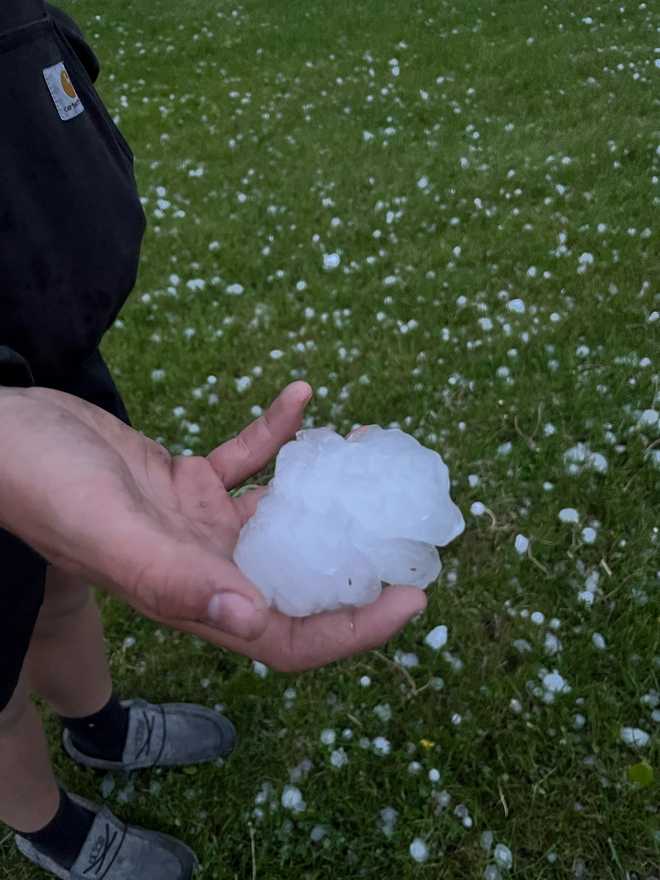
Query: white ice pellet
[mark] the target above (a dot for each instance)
(339, 758)
(599, 642)
(633, 736)
(555, 683)
(317, 833)
(569, 515)
(503, 856)
(491, 872)
(589, 535)
(486, 840)
(292, 799)
(259, 668)
(419, 850)
(234, 289)
(437, 638)
(521, 544)
(328, 737)
(342, 516)
(477, 508)
(382, 746)
(516, 305)
(365, 681)
(537, 617)
(331, 261)
(649, 418)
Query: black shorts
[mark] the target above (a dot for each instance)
(22, 570)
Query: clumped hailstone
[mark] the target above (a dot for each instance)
(343, 516)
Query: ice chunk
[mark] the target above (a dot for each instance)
(342, 516)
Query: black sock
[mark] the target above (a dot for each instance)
(64, 836)
(102, 735)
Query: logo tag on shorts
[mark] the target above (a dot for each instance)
(63, 91)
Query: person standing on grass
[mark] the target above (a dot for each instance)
(86, 499)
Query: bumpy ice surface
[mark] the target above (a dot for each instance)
(344, 515)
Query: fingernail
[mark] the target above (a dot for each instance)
(235, 615)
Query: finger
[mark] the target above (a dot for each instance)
(245, 454)
(295, 644)
(335, 635)
(246, 504)
(174, 577)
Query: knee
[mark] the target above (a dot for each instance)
(65, 597)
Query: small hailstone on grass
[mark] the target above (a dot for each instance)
(382, 746)
(599, 642)
(292, 799)
(414, 768)
(407, 660)
(633, 736)
(419, 850)
(234, 289)
(437, 638)
(331, 261)
(579, 721)
(503, 856)
(338, 758)
(243, 383)
(342, 516)
(589, 535)
(554, 683)
(569, 515)
(365, 681)
(317, 833)
(328, 737)
(434, 775)
(537, 617)
(491, 872)
(383, 711)
(649, 418)
(259, 668)
(516, 305)
(521, 544)
(486, 841)
(477, 508)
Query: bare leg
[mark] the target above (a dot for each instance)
(66, 663)
(29, 795)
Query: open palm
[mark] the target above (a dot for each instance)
(106, 503)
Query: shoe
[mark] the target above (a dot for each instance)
(167, 735)
(115, 851)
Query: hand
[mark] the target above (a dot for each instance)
(101, 501)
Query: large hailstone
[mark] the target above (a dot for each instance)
(342, 516)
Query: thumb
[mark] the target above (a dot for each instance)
(181, 581)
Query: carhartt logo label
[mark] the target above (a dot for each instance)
(63, 91)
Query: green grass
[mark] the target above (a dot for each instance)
(271, 99)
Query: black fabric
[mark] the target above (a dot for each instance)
(102, 735)
(65, 835)
(71, 228)
(14, 370)
(71, 222)
(77, 40)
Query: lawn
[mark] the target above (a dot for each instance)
(444, 216)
